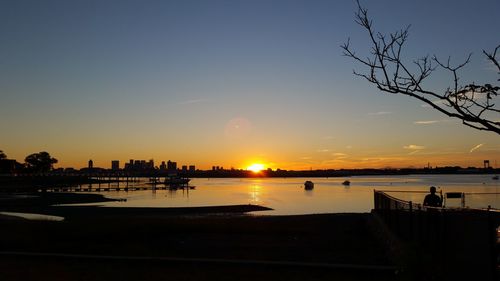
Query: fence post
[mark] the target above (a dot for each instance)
(492, 233)
(411, 221)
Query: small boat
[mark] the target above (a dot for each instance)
(346, 183)
(495, 177)
(308, 185)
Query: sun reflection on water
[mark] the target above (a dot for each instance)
(255, 192)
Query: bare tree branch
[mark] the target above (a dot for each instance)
(473, 104)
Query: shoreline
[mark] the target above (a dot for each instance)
(47, 204)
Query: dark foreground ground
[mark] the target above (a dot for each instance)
(317, 247)
(182, 244)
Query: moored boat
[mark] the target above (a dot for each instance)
(308, 185)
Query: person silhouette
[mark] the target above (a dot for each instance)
(432, 200)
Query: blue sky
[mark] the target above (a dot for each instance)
(163, 79)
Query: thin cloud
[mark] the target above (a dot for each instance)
(429, 122)
(426, 122)
(436, 102)
(476, 147)
(323, 150)
(305, 158)
(340, 156)
(413, 147)
(193, 101)
(380, 113)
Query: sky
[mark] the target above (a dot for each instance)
(232, 83)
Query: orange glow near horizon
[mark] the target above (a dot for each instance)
(256, 167)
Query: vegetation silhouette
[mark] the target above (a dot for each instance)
(40, 162)
(389, 72)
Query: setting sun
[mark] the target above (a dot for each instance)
(256, 167)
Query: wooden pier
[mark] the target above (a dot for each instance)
(108, 184)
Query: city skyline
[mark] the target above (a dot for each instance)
(232, 83)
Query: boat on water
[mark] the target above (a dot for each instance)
(346, 183)
(308, 185)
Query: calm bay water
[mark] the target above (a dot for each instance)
(287, 195)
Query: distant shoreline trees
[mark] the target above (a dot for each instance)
(473, 104)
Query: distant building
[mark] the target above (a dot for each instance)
(151, 164)
(171, 166)
(91, 164)
(192, 168)
(184, 168)
(115, 165)
(163, 166)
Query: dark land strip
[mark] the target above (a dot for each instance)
(202, 243)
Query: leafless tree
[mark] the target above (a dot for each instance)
(471, 103)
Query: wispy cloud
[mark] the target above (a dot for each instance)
(305, 158)
(426, 122)
(328, 137)
(323, 150)
(414, 147)
(379, 113)
(193, 101)
(476, 147)
(436, 102)
(429, 122)
(339, 155)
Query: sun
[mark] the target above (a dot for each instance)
(256, 167)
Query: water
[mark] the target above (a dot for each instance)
(288, 197)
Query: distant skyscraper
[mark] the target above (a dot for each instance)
(115, 165)
(91, 164)
(163, 166)
(171, 166)
(192, 168)
(184, 168)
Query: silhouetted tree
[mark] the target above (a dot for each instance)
(40, 162)
(473, 104)
(2, 155)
